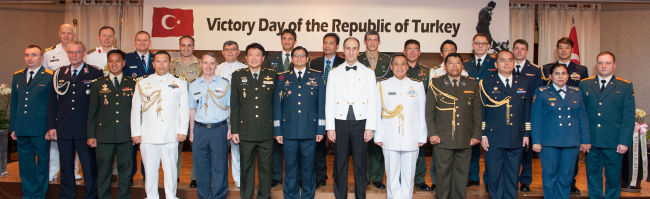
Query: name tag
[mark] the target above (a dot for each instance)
(133, 66)
(197, 93)
(521, 91)
(54, 60)
(392, 93)
(147, 87)
(551, 99)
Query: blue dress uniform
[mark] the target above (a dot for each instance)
(533, 73)
(210, 147)
(611, 123)
(135, 68)
(28, 118)
(560, 126)
(506, 121)
(298, 116)
(68, 111)
(487, 69)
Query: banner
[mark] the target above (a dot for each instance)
(430, 22)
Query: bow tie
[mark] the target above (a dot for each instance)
(347, 68)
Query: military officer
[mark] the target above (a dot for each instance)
(576, 73)
(225, 70)
(97, 56)
(251, 107)
(479, 67)
(280, 62)
(401, 128)
(380, 64)
(419, 71)
(533, 73)
(560, 131)
(67, 114)
(209, 109)
(503, 137)
(350, 116)
(160, 130)
(613, 97)
(106, 133)
(188, 67)
(299, 122)
(453, 114)
(138, 66)
(447, 47)
(55, 57)
(28, 122)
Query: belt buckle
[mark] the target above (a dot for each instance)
(208, 126)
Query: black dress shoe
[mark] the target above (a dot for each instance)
(275, 182)
(433, 187)
(472, 183)
(193, 184)
(379, 185)
(575, 190)
(320, 183)
(299, 183)
(524, 188)
(486, 189)
(423, 186)
(113, 178)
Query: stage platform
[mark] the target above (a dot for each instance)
(10, 186)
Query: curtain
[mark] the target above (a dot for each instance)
(522, 26)
(555, 22)
(90, 18)
(131, 24)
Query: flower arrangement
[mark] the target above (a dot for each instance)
(640, 139)
(639, 125)
(5, 99)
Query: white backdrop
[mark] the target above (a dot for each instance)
(463, 12)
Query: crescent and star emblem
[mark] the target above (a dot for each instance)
(164, 23)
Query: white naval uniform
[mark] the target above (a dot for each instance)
(400, 144)
(345, 88)
(98, 58)
(440, 71)
(225, 70)
(55, 58)
(159, 129)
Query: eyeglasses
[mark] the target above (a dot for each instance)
(299, 56)
(480, 43)
(412, 50)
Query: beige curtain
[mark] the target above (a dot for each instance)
(131, 24)
(522, 26)
(555, 22)
(90, 18)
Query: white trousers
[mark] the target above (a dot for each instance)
(54, 162)
(236, 170)
(152, 156)
(400, 165)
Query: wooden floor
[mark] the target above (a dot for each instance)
(10, 185)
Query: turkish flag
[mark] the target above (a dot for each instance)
(575, 56)
(172, 22)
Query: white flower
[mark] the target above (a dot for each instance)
(4, 89)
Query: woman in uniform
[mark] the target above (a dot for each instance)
(560, 130)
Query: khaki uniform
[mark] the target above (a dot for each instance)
(190, 73)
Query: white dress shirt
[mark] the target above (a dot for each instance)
(503, 79)
(29, 74)
(302, 72)
(226, 69)
(564, 88)
(607, 79)
(482, 58)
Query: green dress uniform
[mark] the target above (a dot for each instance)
(109, 123)
(455, 115)
(190, 73)
(251, 118)
(421, 73)
(375, 154)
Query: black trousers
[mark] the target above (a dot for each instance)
(320, 164)
(349, 139)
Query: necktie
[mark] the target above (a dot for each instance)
(347, 68)
(74, 74)
(518, 70)
(299, 76)
(478, 65)
(286, 62)
(144, 63)
(327, 71)
(602, 87)
(455, 86)
(508, 85)
(255, 76)
(561, 92)
(29, 81)
(117, 83)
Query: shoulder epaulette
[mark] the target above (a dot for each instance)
(127, 77)
(336, 66)
(241, 69)
(366, 66)
(19, 71)
(49, 71)
(91, 51)
(311, 69)
(535, 65)
(468, 77)
(422, 65)
(437, 76)
(574, 88)
(436, 66)
(467, 60)
(195, 80)
(141, 77)
(50, 48)
(269, 69)
(623, 80)
(176, 60)
(283, 72)
(543, 88)
(180, 77)
(417, 80)
(382, 79)
(492, 56)
(588, 78)
(98, 68)
(94, 80)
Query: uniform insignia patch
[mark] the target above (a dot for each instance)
(392, 93)
(267, 82)
(492, 69)
(446, 82)
(551, 99)
(528, 74)
(575, 76)
(173, 86)
(105, 89)
(268, 78)
(244, 79)
(411, 92)
(468, 91)
(463, 83)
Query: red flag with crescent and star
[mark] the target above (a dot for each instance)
(575, 56)
(169, 22)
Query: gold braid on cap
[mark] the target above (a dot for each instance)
(437, 92)
(213, 97)
(398, 111)
(149, 100)
(495, 103)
